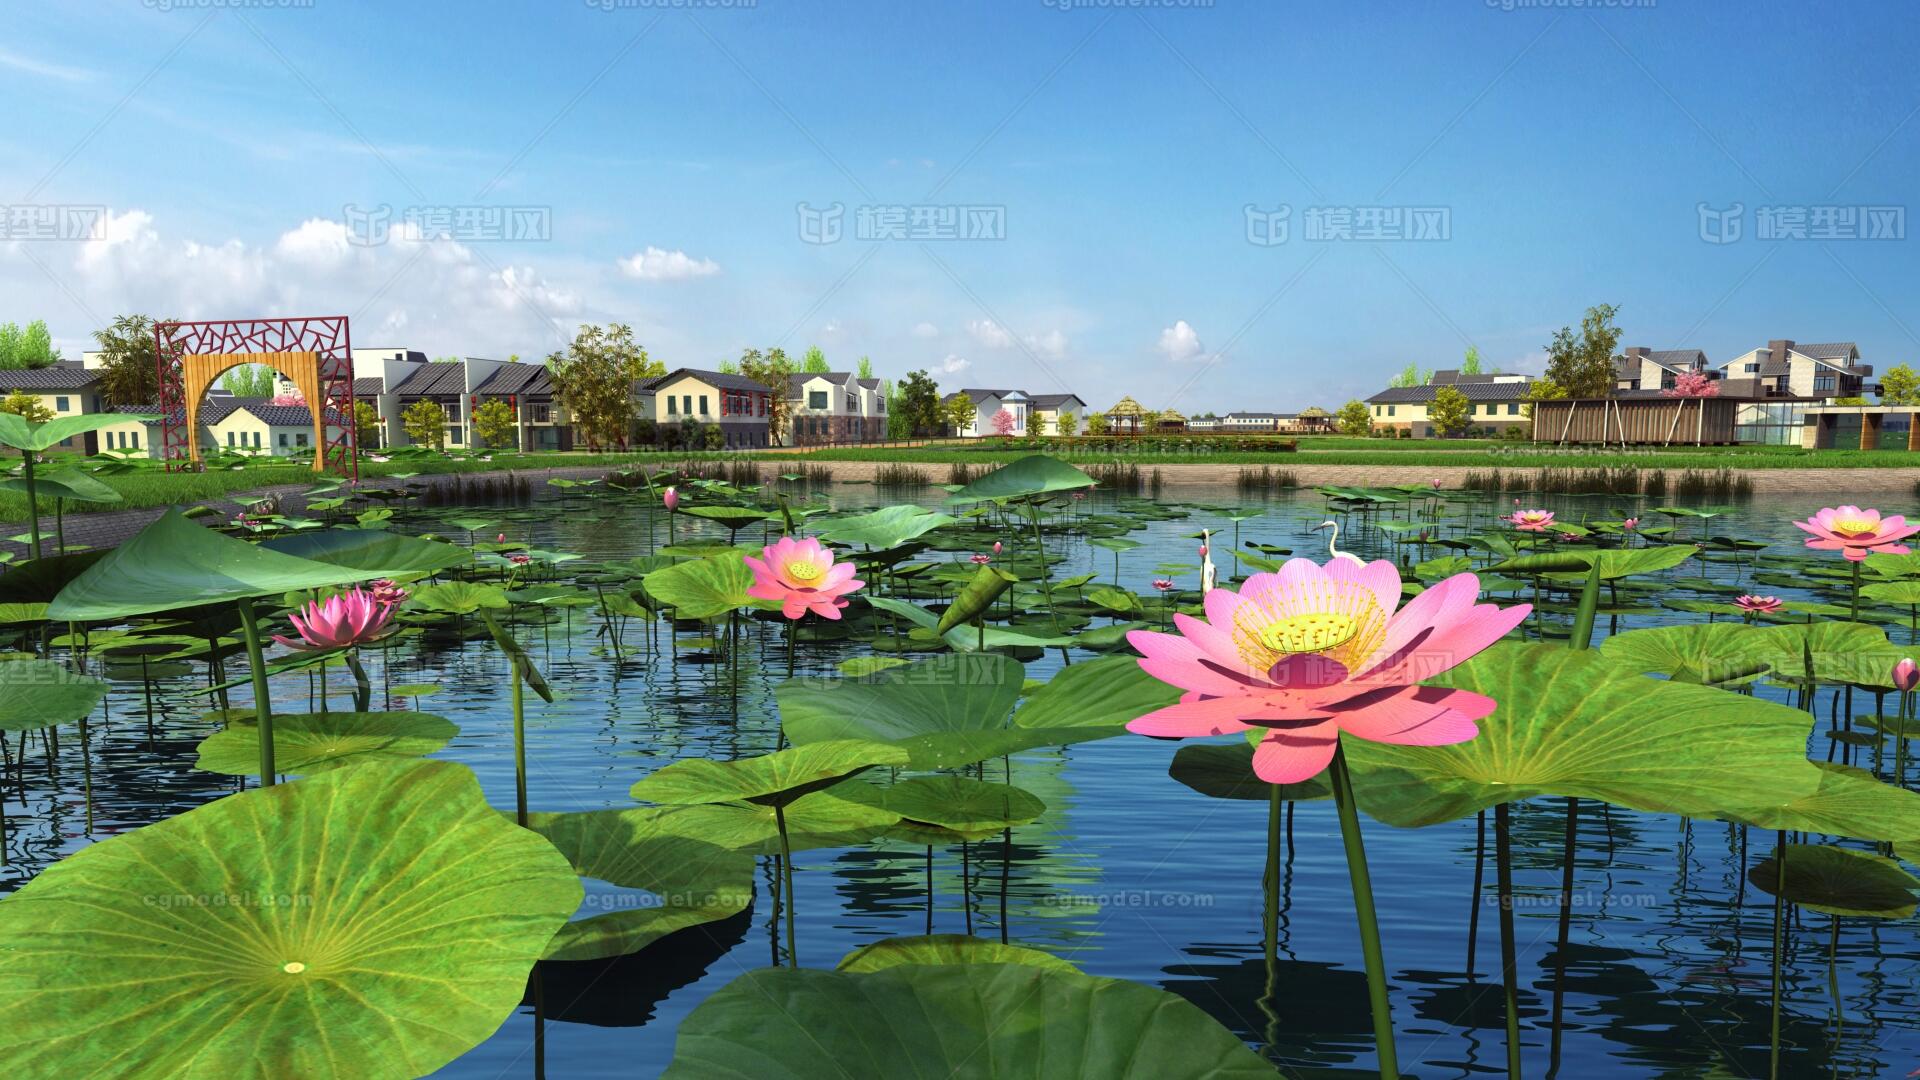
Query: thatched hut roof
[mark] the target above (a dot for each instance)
(1127, 407)
(1172, 416)
(1314, 412)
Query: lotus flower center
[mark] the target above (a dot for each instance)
(294, 967)
(802, 571)
(1855, 527)
(1311, 633)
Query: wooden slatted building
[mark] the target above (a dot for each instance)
(1649, 421)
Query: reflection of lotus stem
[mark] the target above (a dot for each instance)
(262, 705)
(1479, 877)
(786, 874)
(519, 747)
(1566, 923)
(1779, 933)
(1363, 909)
(1270, 913)
(1833, 982)
(1509, 975)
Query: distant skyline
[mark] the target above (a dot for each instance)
(1163, 198)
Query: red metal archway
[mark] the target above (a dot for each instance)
(327, 337)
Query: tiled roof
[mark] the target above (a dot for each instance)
(717, 380)
(1054, 401)
(1477, 391)
(1831, 350)
(522, 379)
(60, 375)
(435, 380)
(871, 384)
(369, 386)
(1251, 416)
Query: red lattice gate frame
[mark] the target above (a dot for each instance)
(327, 336)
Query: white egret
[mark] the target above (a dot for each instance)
(1332, 537)
(1207, 572)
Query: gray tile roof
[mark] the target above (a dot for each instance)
(60, 375)
(1830, 350)
(435, 380)
(717, 380)
(369, 386)
(1477, 391)
(527, 380)
(1054, 401)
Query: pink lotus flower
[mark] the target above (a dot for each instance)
(802, 575)
(1906, 674)
(1163, 584)
(1530, 520)
(386, 591)
(1630, 524)
(1855, 532)
(1314, 651)
(1436, 483)
(996, 547)
(500, 539)
(1078, 495)
(519, 560)
(670, 499)
(981, 560)
(1758, 605)
(353, 617)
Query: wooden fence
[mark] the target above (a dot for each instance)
(1688, 421)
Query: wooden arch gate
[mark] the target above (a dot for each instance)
(315, 353)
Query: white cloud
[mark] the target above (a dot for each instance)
(990, 333)
(1052, 344)
(654, 264)
(953, 365)
(40, 67)
(925, 330)
(1180, 343)
(1533, 363)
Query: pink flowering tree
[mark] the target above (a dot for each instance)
(1692, 384)
(1003, 423)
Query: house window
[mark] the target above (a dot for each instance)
(816, 399)
(703, 404)
(300, 438)
(1389, 410)
(229, 440)
(1751, 368)
(1513, 408)
(59, 404)
(256, 440)
(283, 440)
(853, 404)
(454, 435)
(1823, 383)
(672, 406)
(133, 440)
(540, 413)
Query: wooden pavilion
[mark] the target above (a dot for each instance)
(1126, 417)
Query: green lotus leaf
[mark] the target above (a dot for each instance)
(1114, 599)
(517, 657)
(692, 879)
(458, 597)
(1716, 654)
(66, 483)
(23, 434)
(1843, 652)
(315, 742)
(942, 694)
(976, 598)
(12, 614)
(1572, 722)
(886, 527)
(1844, 802)
(388, 554)
(1036, 474)
(733, 517)
(961, 805)
(1008, 1021)
(771, 779)
(945, 949)
(1114, 543)
(823, 819)
(706, 587)
(859, 667)
(173, 563)
(1893, 592)
(40, 580)
(1225, 771)
(36, 694)
(374, 922)
(1838, 881)
(1613, 563)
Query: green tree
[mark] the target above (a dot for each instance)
(1066, 423)
(864, 369)
(594, 381)
(1411, 375)
(917, 406)
(1900, 386)
(29, 348)
(128, 373)
(1471, 365)
(13, 353)
(815, 361)
(1097, 424)
(771, 370)
(1354, 418)
(959, 412)
(1449, 410)
(20, 403)
(250, 380)
(1542, 389)
(425, 423)
(1582, 365)
(728, 367)
(366, 425)
(496, 425)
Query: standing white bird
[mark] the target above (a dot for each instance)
(1334, 535)
(1207, 572)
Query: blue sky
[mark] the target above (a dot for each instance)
(1568, 150)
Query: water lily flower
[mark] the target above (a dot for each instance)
(1855, 532)
(802, 575)
(1630, 524)
(1163, 584)
(1078, 495)
(1906, 674)
(519, 560)
(980, 560)
(1758, 605)
(670, 499)
(386, 591)
(1569, 537)
(353, 617)
(1313, 651)
(1530, 520)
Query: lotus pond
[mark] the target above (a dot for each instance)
(593, 785)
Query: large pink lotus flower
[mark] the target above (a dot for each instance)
(1757, 605)
(354, 617)
(1314, 651)
(1855, 532)
(802, 575)
(1531, 520)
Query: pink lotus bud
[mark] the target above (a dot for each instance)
(1906, 674)
(996, 547)
(500, 539)
(670, 499)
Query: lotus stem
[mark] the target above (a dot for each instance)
(1833, 982)
(362, 686)
(1589, 604)
(786, 874)
(1479, 878)
(1363, 910)
(790, 632)
(1566, 925)
(519, 747)
(33, 503)
(1046, 578)
(1509, 974)
(262, 704)
(1779, 944)
(1270, 913)
(1855, 614)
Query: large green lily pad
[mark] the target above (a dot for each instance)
(1225, 771)
(390, 554)
(1007, 1021)
(1716, 654)
(772, 779)
(37, 694)
(1036, 474)
(315, 742)
(889, 526)
(961, 805)
(1572, 722)
(704, 588)
(945, 949)
(1838, 881)
(370, 922)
